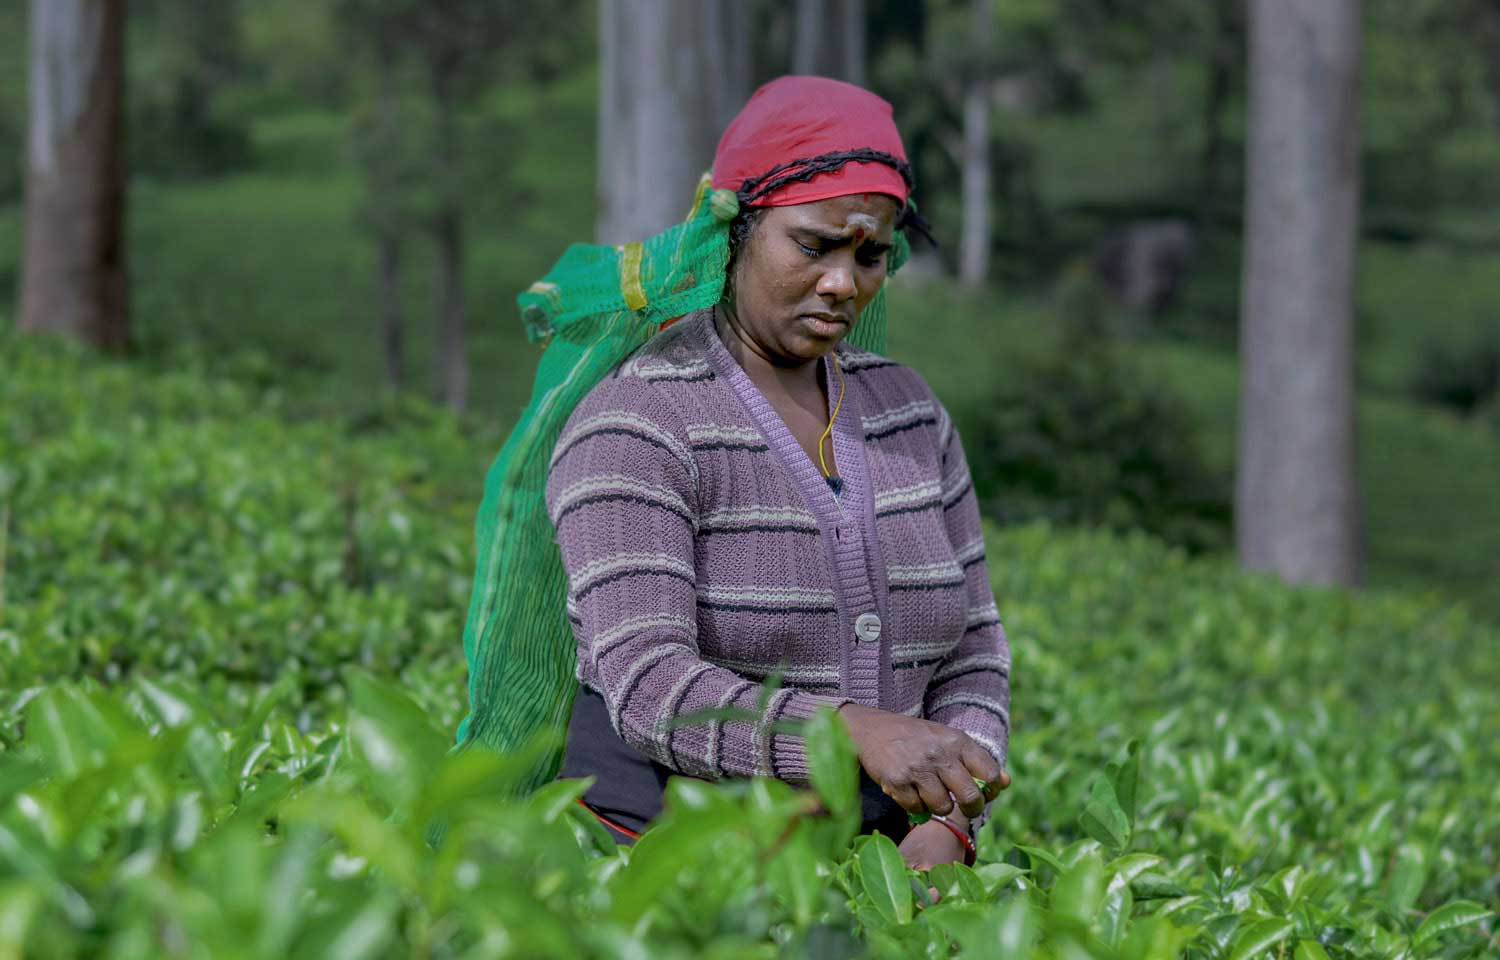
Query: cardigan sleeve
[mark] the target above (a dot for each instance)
(970, 688)
(622, 493)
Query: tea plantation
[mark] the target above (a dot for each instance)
(230, 670)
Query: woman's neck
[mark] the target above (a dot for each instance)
(759, 367)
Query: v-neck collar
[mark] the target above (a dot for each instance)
(848, 441)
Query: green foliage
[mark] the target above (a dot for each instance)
(1058, 422)
(1462, 373)
(1421, 300)
(202, 253)
(226, 712)
(427, 135)
(184, 60)
(189, 529)
(229, 658)
(1427, 479)
(299, 52)
(12, 102)
(1081, 438)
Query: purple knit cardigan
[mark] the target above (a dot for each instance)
(703, 548)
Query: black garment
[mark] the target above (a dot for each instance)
(628, 786)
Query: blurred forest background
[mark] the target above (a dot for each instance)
(1209, 273)
(333, 203)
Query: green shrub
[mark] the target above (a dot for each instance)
(1081, 439)
(224, 736)
(1462, 373)
(181, 525)
(1058, 422)
(1491, 414)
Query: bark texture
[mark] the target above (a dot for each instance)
(672, 75)
(974, 248)
(388, 223)
(73, 273)
(1296, 498)
(448, 242)
(829, 39)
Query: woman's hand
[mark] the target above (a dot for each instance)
(919, 763)
(929, 844)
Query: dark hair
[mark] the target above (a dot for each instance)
(741, 229)
(804, 169)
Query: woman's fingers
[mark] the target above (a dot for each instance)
(905, 795)
(934, 794)
(922, 765)
(982, 765)
(965, 791)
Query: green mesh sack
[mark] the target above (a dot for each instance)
(590, 312)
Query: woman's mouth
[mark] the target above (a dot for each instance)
(824, 325)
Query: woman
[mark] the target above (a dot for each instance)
(748, 492)
(701, 549)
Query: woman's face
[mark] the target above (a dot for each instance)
(807, 271)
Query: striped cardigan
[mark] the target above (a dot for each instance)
(704, 549)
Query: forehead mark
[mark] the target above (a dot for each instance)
(863, 224)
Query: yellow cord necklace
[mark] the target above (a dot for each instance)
(833, 361)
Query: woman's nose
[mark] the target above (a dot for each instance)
(838, 282)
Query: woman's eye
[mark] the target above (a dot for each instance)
(870, 260)
(811, 252)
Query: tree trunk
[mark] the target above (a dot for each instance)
(392, 326)
(73, 277)
(453, 361)
(1213, 134)
(388, 221)
(1296, 497)
(830, 39)
(726, 46)
(1491, 94)
(1489, 60)
(974, 250)
(672, 73)
(448, 239)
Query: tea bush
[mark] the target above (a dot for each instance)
(182, 524)
(231, 669)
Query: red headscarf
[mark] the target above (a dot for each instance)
(797, 118)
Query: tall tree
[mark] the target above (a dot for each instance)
(672, 74)
(830, 39)
(431, 63)
(73, 277)
(186, 60)
(1296, 497)
(384, 149)
(385, 213)
(1224, 43)
(974, 248)
(446, 60)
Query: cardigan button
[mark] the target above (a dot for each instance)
(867, 627)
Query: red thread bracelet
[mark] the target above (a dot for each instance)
(963, 838)
(608, 822)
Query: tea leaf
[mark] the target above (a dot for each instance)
(1310, 950)
(1450, 916)
(1258, 937)
(831, 763)
(1102, 817)
(882, 873)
